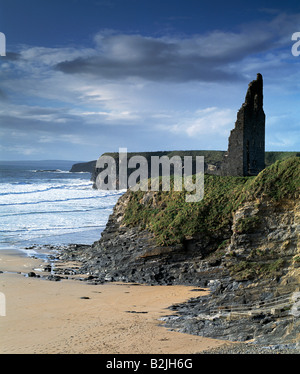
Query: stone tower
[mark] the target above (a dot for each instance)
(246, 144)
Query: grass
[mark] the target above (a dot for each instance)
(247, 224)
(171, 219)
(280, 180)
(245, 270)
(272, 157)
(296, 259)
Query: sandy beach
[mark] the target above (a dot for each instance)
(71, 316)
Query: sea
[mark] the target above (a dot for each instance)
(43, 203)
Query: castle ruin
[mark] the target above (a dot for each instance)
(246, 144)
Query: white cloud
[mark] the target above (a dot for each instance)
(206, 121)
(24, 150)
(284, 142)
(188, 86)
(205, 57)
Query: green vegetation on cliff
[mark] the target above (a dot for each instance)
(271, 157)
(171, 219)
(280, 180)
(210, 157)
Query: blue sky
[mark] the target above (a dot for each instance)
(83, 77)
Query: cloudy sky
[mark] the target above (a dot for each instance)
(83, 77)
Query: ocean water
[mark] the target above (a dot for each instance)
(41, 203)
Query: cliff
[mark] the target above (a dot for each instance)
(212, 161)
(88, 167)
(242, 241)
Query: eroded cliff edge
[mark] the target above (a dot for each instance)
(241, 241)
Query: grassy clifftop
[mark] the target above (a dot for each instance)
(171, 219)
(210, 157)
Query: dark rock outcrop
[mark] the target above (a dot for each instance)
(86, 167)
(132, 255)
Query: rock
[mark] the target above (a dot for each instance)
(83, 167)
(54, 278)
(47, 268)
(90, 277)
(108, 278)
(31, 274)
(250, 348)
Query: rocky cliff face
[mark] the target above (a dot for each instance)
(254, 278)
(266, 236)
(251, 263)
(131, 254)
(259, 297)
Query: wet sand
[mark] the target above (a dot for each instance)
(71, 316)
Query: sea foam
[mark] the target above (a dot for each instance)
(52, 207)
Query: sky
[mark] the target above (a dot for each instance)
(84, 77)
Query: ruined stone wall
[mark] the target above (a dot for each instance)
(246, 143)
